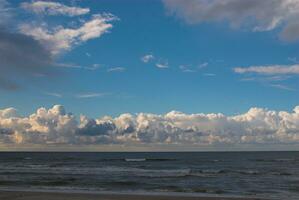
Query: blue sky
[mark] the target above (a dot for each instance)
(146, 28)
(106, 58)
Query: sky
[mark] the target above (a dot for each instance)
(160, 74)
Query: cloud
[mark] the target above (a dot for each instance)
(53, 8)
(256, 127)
(5, 12)
(93, 67)
(91, 95)
(162, 64)
(21, 57)
(191, 68)
(147, 58)
(293, 59)
(116, 69)
(53, 94)
(60, 39)
(209, 74)
(186, 68)
(254, 14)
(270, 70)
(30, 50)
(282, 87)
(271, 75)
(203, 65)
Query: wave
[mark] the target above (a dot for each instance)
(276, 160)
(147, 159)
(135, 159)
(133, 171)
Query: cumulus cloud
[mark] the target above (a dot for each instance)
(269, 70)
(60, 39)
(56, 126)
(255, 14)
(53, 8)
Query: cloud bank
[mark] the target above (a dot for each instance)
(254, 14)
(56, 126)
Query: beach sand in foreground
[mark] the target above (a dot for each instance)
(26, 195)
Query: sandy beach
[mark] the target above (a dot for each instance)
(42, 195)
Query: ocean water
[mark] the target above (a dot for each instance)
(253, 174)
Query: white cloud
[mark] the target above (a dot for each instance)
(186, 68)
(53, 8)
(209, 74)
(147, 58)
(91, 95)
(55, 125)
(203, 65)
(256, 14)
(282, 87)
(270, 70)
(116, 69)
(293, 59)
(53, 94)
(162, 64)
(93, 67)
(61, 39)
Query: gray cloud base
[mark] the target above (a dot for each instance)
(20, 55)
(254, 14)
(56, 126)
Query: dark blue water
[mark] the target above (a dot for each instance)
(254, 174)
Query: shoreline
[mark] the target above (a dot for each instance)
(36, 194)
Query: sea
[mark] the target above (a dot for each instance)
(273, 175)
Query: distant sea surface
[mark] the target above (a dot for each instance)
(251, 174)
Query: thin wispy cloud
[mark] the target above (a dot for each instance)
(186, 68)
(269, 70)
(271, 75)
(116, 69)
(293, 60)
(68, 65)
(162, 64)
(203, 65)
(91, 95)
(282, 87)
(93, 67)
(53, 94)
(193, 68)
(209, 74)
